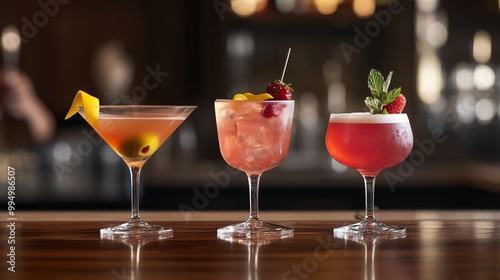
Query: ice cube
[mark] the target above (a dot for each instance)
(259, 154)
(225, 112)
(247, 111)
(253, 134)
(227, 127)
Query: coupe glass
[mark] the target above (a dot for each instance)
(369, 143)
(135, 133)
(254, 136)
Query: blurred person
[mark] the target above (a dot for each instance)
(19, 101)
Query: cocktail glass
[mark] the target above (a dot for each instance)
(369, 143)
(254, 136)
(135, 133)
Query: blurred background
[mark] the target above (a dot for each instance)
(444, 55)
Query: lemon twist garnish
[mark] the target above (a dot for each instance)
(252, 97)
(90, 106)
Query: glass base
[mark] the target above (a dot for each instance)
(255, 228)
(370, 227)
(137, 229)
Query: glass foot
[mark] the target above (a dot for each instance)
(370, 227)
(137, 229)
(255, 229)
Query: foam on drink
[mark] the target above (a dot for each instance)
(365, 117)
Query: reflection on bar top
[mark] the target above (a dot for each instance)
(406, 215)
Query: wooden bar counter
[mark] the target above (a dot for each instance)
(441, 245)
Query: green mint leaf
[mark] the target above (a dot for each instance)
(393, 94)
(385, 87)
(375, 82)
(374, 105)
(389, 97)
(381, 95)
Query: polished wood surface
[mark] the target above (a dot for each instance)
(452, 245)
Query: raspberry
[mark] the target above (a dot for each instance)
(396, 106)
(272, 110)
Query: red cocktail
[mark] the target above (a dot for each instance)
(369, 143)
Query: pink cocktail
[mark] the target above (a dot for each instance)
(252, 141)
(369, 143)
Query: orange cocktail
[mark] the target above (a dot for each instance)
(136, 137)
(135, 133)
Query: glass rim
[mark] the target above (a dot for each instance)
(254, 101)
(367, 117)
(141, 106)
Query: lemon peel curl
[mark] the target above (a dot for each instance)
(90, 106)
(252, 97)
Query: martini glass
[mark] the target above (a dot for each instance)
(135, 133)
(369, 143)
(254, 136)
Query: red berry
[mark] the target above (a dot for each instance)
(272, 110)
(396, 106)
(269, 111)
(280, 90)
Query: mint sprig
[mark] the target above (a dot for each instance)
(381, 95)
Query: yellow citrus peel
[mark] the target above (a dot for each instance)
(252, 97)
(90, 106)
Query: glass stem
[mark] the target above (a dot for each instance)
(135, 177)
(369, 197)
(253, 182)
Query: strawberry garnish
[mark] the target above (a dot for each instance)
(279, 90)
(396, 106)
(382, 97)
